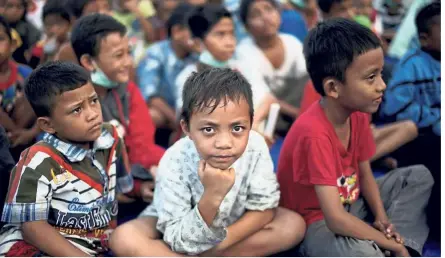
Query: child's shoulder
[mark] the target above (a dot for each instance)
(312, 122)
(43, 159)
(415, 58)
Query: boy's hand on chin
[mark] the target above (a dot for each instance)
(216, 181)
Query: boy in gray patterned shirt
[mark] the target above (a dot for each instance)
(216, 192)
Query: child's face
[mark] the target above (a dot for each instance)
(103, 6)
(363, 86)
(114, 57)
(182, 36)
(221, 40)
(364, 7)
(14, 10)
(90, 7)
(344, 9)
(166, 7)
(6, 47)
(431, 40)
(56, 26)
(263, 19)
(221, 136)
(76, 116)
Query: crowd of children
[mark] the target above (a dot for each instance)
(137, 128)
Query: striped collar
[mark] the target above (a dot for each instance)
(75, 153)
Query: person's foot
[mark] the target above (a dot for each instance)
(390, 163)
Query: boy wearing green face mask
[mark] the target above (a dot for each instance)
(101, 47)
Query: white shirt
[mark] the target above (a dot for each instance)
(179, 190)
(287, 82)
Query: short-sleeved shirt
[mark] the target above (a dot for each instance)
(158, 70)
(312, 154)
(71, 188)
(13, 87)
(179, 190)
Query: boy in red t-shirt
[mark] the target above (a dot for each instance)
(324, 171)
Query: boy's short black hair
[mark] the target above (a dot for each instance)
(57, 7)
(208, 88)
(6, 27)
(245, 6)
(51, 80)
(331, 47)
(424, 18)
(203, 18)
(179, 16)
(326, 5)
(76, 7)
(89, 31)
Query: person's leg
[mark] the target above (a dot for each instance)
(284, 232)
(405, 193)
(322, 242)
(139, 237)
(390, 137)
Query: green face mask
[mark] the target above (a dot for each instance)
(98, 77)
(364, 21)
(207, 58)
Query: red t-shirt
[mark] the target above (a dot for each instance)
(312, 154)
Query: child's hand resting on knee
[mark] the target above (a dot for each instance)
(217, 182)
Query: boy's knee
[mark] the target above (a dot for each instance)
(119, 241)
(424, 174)
(126, 237)
(289, 226)
(411, 129)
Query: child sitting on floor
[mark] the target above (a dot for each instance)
(388, 137)
(216, 192)
(62, 197)
(161, 65)
(16, 115)
(101, 46)
(277, 56)
(57, 22)
(213, 25)
(325, 156)
(78, 9)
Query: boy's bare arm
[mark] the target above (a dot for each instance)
(7, 122)
(43, 236)
(165, 109)
(343, 223)
(288, 109)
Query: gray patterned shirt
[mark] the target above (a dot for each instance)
(178, 191)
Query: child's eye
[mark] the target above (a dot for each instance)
(94, 101)
(238, 129)
(371, 78)
(207, 130)
(76, 110)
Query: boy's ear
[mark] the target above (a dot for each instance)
(424, 39)
(331, 87)
(87, 62)
(185, 127)
(46, 125)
